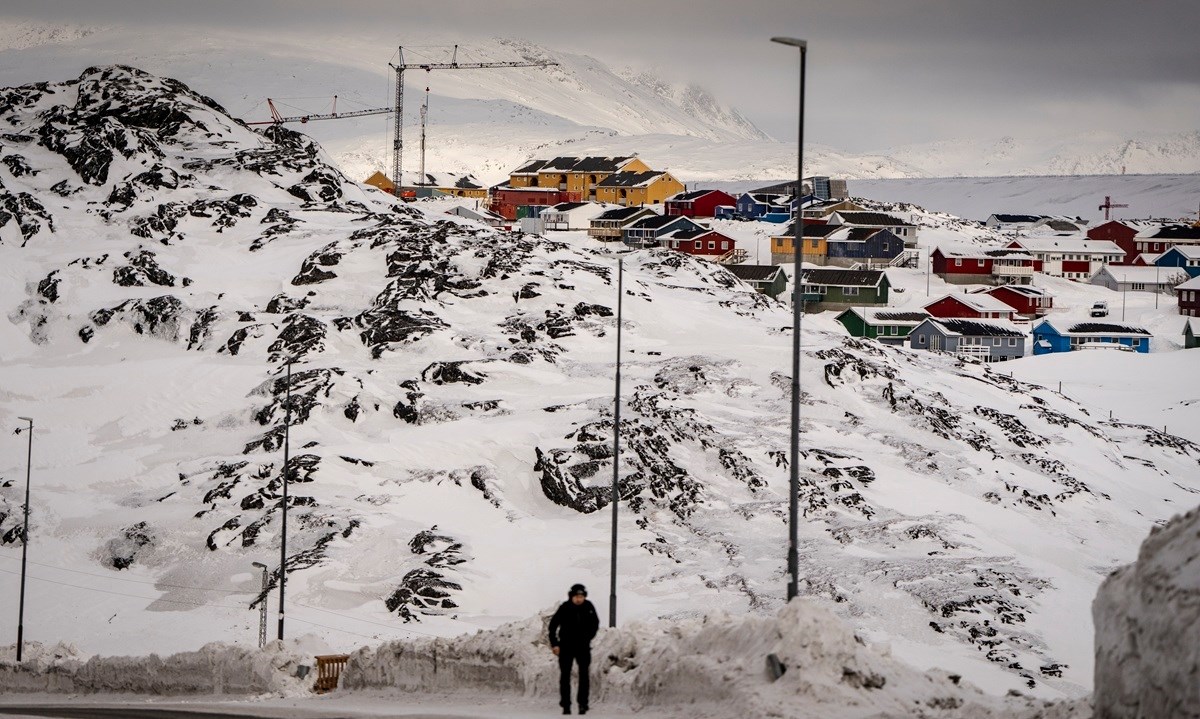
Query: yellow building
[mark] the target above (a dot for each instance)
(576, 175)
(381, 181)
(815, 248)
(645, 187)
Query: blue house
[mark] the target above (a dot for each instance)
(754, 205)
(1059, 336)
(1185, 257)
(646, 231)
(849, 245)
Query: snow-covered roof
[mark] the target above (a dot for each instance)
(980, 302)
(1193, 323)
(631, 179)
(975, 328)
(844, 278)
(1090, 328)
(1191, 252)
(1027, 290)
(755, 273)
(1059, 244)
(1017, 218)
(869, 219)
(1192, 284)
(1141, 274)
(889, 315)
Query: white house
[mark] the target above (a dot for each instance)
(1070, 257)
(573, 215)
(485, 216)
(1136, 278)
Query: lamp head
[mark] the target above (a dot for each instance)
(260, 565)
(25, 419)
(794, 42)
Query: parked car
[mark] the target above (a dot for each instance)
(1100, 309)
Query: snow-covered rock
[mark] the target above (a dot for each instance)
(1147, 618)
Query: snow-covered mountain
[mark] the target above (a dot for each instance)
(488, 122)
(451, 419)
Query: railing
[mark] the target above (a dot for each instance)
(1012, 270)
(904, 258)
(329, 670)
(735, 256)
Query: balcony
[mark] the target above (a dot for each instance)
(1012, 270)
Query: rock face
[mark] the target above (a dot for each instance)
(1147, 618)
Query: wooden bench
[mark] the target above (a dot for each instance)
(329, 669)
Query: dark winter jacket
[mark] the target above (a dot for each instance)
(573, 627)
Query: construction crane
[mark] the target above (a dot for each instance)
(400, 66)
(277, 119)
(1108, 205)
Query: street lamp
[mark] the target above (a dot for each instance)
(612, 590)
(262, 609)
(793, 560)
(24, 542)
(287, 424)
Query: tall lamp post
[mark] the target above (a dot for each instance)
(24, 542)
(287, 425)
(612, 589)
(793, 559)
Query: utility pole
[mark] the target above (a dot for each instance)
(24, 542)
(398, 126)
(287, 424)
(612, 590)
(262, 608)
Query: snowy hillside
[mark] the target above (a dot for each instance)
(487, 122)
(452, 420)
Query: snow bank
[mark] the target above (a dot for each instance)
(718, 659)
(215, 668)
(1147, 619)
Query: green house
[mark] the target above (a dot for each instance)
(835, 289)
(767, 279)
(881, 323)
(1191, 333)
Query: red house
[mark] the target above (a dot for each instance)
(1189, 297)
(1025, 299)
(975, 265)
(513, 203)
(704, 242)
(698, 203)
(978, 307)
(1126, 234)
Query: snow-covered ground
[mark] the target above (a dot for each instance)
(452, 419)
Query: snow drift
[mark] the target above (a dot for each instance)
(214, 669)
(1147, 618)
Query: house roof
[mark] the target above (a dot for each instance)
(1071, 244)
(975, 328)
(882, 315)
(1108, 329)
(1177, 232)
(980, 302)
(690, 196)
(656, 221)
(601, 164)
(755, 273)
(844, 278)
(766, 197)
(1027, 290)
(1152, 274)
(1191, 252)
(565, 206)
(621, 213)
(1017, 218)
(874, 219)
(860, 234)
(811, 229)
(530, 168)
(1192, 284)
(630, 179)
(1193, 323)
(480, 214)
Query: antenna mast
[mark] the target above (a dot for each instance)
(398, 126)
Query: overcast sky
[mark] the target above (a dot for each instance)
(880, 73)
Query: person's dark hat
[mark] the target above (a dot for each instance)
(577, 589)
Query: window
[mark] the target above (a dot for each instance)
(712, 244)
(979, 263)
(724, 244)
(920, 339)
(885, 247)
(813, 244)
(1156, 244)
(1012, 341)
(850, 291)
(699, 245)
(1138, 286)
(996, 341)
(957, 262)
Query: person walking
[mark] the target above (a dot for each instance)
(571, 631)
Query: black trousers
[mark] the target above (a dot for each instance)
(581, 657)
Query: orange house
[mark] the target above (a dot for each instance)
(645, 187)
(815, 247)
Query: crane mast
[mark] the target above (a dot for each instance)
(398, 125)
